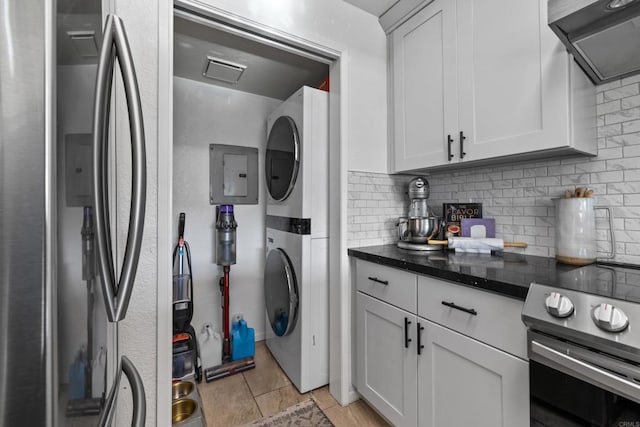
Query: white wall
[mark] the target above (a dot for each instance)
(138, 332)
(343, 27)
(205, 114)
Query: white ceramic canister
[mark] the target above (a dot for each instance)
(576, 231)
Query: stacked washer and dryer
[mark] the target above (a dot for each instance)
(296, 277)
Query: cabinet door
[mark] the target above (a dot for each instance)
(514, 84)
(424, 86)
(386, 368)
(462, 382)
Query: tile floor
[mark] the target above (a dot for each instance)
(265, 391)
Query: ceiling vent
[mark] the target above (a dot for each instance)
(84, 42)
(222, 70)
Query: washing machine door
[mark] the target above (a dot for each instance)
(280, 292)
(282, 159)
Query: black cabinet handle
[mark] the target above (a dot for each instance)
(375, 279)
(407, 340)
(419, 336)
(457, 307)
(462, 138)
(449, 142)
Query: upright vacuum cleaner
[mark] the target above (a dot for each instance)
(87, 405)
(225, 238)
(185, 345)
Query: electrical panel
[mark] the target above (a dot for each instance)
(233, 175)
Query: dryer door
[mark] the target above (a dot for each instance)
(280, 292)
(282, 159)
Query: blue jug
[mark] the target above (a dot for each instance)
(76, 376)
(244, 341)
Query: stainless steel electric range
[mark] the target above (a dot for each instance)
(584, 348)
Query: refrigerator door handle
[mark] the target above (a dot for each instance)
(137, 390)
(116, 46)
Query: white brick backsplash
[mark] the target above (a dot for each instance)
(519, 195)
(632, 199)
(548, 180)
(632, 175)
(576, 180)
(622, 116)
(561, 170)
(525, 220)
(621, 92)
(632, 249)
(610, 153)
(608, 86)
(604, 177)
(629, 127)
(591, 166)
(610, 130)
(623, 188)
(630, 102)
(631, 151)
(513, 174)
(632, 224)
(608, 107)
(623, 164)
(510, 192)
(629, 80)
(628, 139)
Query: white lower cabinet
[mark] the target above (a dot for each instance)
(386, 369)
(463, 382)
(416, 372)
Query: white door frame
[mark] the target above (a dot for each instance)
(339, 286)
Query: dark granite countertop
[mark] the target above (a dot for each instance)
(509, 274)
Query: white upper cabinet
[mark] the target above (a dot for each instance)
(494, 77)
(424, 86)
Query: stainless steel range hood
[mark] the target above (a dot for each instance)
(603, 35)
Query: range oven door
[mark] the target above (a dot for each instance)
(571, 385)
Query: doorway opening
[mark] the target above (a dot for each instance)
(215, 83)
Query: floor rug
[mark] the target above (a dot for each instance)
(304, 414)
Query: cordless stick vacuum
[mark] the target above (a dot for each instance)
(87, 405)
(226, 256)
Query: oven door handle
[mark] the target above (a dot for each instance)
(586, 371)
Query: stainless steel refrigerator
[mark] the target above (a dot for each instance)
(63, 289)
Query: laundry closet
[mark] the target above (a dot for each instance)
(234, 92)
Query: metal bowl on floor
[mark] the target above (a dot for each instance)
(180, 389)
(182, 409)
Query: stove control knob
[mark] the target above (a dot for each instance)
(559, 305)
(610, 318)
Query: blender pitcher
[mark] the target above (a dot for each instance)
(576, 231)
